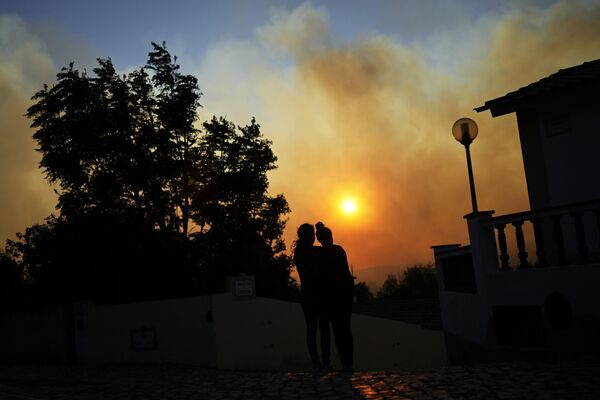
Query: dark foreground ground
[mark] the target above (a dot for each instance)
(499, 381)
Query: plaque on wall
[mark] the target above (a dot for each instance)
(242, 286)
(143, 339)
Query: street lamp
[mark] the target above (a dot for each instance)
(465, 131)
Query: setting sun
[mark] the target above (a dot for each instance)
(349, 206)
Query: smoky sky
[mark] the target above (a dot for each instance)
(24, 197)
(372, 119)
(368, 118)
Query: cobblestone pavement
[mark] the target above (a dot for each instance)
(491, 382)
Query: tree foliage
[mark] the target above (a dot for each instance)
(12, 281)
(417, 281)
(121, 144)
(363, 293)
(150, 202)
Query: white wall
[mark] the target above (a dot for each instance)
(571, 159)
(270, 334)
(386, 344)
(469, 317)
(579, 285)
(255, 333)
(33, 334)
(182, 331)
(259, 333)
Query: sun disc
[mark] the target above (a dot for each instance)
(349, 206)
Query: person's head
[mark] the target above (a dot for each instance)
(306, 235)
(324, 234)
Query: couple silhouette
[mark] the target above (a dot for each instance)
(327, 292)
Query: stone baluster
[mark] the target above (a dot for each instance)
(503, 249)
(539, 242)
(561, 252)
(582, 247)
(522, 254)
(597, 212)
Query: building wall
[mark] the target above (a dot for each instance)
(548, 312)
(183, 332)
(259, 333)
(458, 310)
(560, 153)
(215, 331)
(386, 344)
(27, 335)
(533, 159)
(471, 333)
(571, 153)
(531, 287)
(270, 334)
(560, 143)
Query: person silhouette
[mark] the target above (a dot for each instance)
(337, 292)
(307, 260)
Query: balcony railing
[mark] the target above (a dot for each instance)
(549, 234)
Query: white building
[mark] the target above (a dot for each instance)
(542, 299)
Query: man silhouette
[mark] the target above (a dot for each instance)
(337, 291)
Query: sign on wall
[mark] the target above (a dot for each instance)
(143, 339)
(242, 286)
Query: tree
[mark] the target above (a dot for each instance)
(363, 293)
(420, 281)
(176, 103)
(12, 281)
(417, 281)
(149, 204)
(121, 144)
(233, 210)
(390, 288)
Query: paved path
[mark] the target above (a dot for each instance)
(579, 381)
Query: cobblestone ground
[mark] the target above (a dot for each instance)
(494, 381)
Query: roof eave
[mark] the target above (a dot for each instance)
(497, 110)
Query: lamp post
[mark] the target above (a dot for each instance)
(465, 131)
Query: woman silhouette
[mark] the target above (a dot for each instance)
(307, 260)
(337, 292)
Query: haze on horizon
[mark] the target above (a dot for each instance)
(362, 114)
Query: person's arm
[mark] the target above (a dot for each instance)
(348, 278)
(344, 262)
(299, 263)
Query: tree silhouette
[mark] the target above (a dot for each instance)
(121, 143)
(149, 204)
(234, 213)
(417, 281)
(363, 293)
(12, 282)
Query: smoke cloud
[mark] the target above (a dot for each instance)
(372, 119)
(368, 118)
(25, 198)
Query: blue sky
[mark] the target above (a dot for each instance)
(122, 29)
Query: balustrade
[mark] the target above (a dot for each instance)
(540, 243)
(521, 244)
(559, 239)
(548, 233)
(504, 257)
(580, 235)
